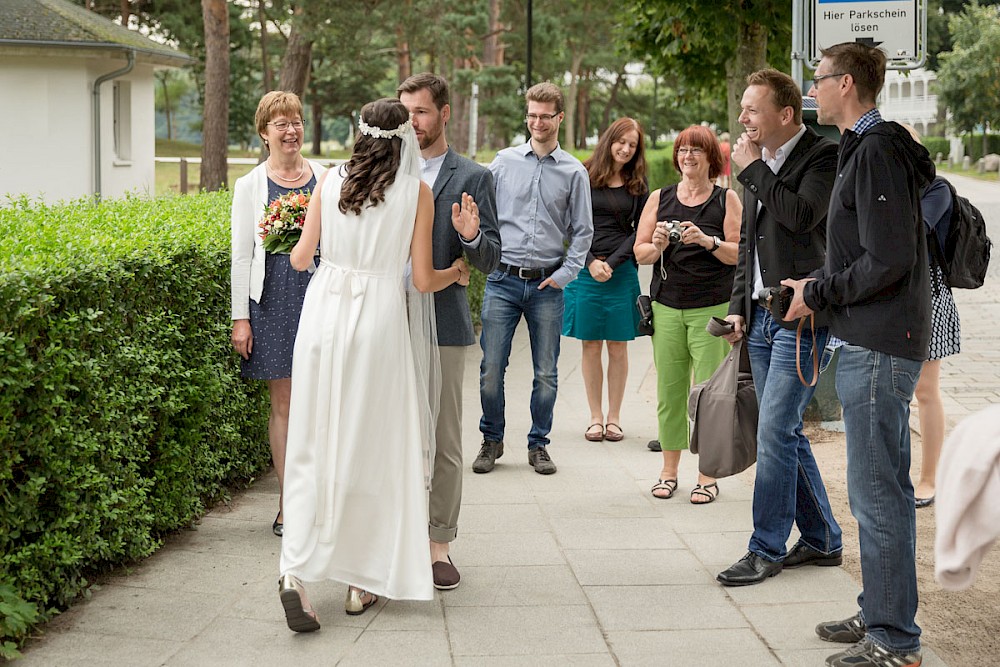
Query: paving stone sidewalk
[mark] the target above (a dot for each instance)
(583, 567)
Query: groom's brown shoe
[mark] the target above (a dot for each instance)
(446, 576)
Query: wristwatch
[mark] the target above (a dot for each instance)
(716, 243)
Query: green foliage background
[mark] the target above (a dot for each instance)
(122, 413)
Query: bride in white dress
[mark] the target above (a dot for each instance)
(358, 437)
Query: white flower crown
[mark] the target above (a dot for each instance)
(379, 133)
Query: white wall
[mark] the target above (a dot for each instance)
(46, 109)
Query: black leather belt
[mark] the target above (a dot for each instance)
(529, 274)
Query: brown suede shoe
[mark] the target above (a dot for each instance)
(446, 576)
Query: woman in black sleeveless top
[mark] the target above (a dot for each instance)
(600, 303)
(692, 282)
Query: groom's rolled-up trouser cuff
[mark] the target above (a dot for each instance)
(446, 487)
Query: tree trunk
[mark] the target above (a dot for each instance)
(613, 100)
(402, 54)
(317, 124)
(298, 56)
(126, 12)
(569, 125)
(583, 112)
(458, 126)
(166, 109)
(751, 55)
(267, 75)
(215, 128)
(492, 46)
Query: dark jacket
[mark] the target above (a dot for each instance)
(459, 174)
(789, 233)
(875, 282)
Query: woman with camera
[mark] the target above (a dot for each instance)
(691, 233)
(600, 303)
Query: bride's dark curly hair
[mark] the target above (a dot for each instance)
(373, 164)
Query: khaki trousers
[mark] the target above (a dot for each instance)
(446, 487)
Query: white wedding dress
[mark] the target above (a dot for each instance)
(355, 500)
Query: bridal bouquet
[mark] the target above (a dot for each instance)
(281, 226)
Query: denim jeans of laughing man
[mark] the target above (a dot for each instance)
(788, 486)
(506, 299)
(875, 389)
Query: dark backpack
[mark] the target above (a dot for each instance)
(966, 253)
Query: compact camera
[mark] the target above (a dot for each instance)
(673, 229)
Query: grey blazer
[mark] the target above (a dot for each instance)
(459, 174)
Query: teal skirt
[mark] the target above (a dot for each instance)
(602, 311)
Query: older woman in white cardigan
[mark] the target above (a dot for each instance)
(267, 293)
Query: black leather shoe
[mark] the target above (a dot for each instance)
(654, 446)
(488, 455)
(751, 569)
(803, 554)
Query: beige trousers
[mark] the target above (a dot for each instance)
(446, 488)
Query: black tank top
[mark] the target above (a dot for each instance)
(695, 278)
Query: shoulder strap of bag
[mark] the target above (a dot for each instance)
(814, 354)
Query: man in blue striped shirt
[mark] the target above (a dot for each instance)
(546, 226)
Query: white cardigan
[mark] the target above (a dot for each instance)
(968, 498)
(247, 271)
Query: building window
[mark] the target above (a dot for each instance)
(122, 103)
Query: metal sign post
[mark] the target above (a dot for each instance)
(898, 27)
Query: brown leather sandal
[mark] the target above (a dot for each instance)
(590, 435)
(613, 436)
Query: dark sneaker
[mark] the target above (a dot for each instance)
(848, 631)
(540, 461)
(868, 654)
(488, 455)
(654, 446)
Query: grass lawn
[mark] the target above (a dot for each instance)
(168, 174)
(991, 176)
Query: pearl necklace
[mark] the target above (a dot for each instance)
(287, 180)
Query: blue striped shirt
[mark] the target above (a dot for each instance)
(543, 210)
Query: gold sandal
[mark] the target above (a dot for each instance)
(354, 604)
(299, 618)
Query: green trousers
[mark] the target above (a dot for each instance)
(682, 349)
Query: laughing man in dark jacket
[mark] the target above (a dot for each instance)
(875, 289)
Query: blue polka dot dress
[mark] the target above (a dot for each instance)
(275, 320)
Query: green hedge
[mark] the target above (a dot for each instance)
(935, 145)
(122, 413)
(974, 145)
(661, 167)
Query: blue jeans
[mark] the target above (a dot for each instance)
(788, 486)
(875, 389)
(505, 300)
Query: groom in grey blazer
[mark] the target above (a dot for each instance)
(451, 177)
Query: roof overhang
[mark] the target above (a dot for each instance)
(36, 48)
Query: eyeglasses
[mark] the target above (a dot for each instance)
(817, 79)
(695, 152)
(282, 125)
(545, 117)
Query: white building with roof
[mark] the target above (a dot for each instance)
(910, 97)
(77, 102)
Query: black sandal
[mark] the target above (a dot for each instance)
(668, 485)
(703, 492)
